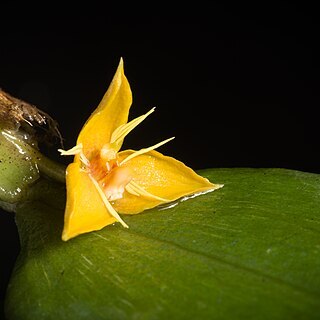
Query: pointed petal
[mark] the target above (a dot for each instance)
(161, 176)
(145, 150)
(112, 112)
(85, 211)
(73, 151)
(121, 132)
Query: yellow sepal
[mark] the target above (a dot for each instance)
(85, 211)
(112, 112)
(161, 176)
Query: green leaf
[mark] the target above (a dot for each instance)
(250, 250)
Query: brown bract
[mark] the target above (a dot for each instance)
(18, 115)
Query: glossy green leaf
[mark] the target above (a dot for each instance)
(250, 250)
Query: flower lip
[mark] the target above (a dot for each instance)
(115, 183)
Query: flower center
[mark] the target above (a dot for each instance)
(106, 170)
(109, 156)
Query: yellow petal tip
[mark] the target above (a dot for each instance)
(65, 236)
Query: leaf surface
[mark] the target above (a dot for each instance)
(250, 250)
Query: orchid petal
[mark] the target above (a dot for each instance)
(121, 132)
(161, 176)
(144, 150)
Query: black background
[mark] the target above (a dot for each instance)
(237, 86)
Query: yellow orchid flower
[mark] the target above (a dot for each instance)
(103, 181)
